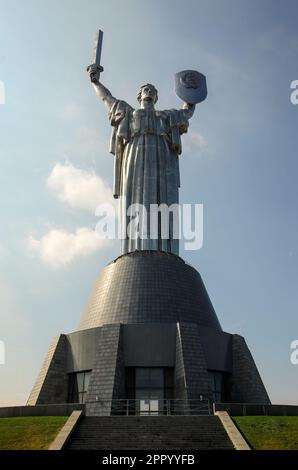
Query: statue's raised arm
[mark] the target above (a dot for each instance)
(189, 110)
(119, 115)
(101, 91)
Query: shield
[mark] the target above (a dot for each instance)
(190, 86)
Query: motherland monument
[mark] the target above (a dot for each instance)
(149, 339)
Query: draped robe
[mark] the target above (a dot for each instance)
(146, 144)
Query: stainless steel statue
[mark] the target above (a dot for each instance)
(147, 143)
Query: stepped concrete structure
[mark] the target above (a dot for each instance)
(149, 341)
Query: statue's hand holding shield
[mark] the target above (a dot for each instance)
(190, 86)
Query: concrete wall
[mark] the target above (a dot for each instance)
(256, 409)
(191, 376)
(246, 385)
(40, 410)
(149, 345)
(107, 378)
(51, 385)
(217, 346)
(81, 349)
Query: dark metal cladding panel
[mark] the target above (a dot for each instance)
(149, 287)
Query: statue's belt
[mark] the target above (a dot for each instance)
(148, 131)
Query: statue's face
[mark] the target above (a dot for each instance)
(148, 93)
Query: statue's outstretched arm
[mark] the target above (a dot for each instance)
(102, 92)
(189, 109)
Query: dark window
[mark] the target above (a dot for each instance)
(168, 382)
(130, 382)
(149, 377)
(78, 386)
(218, 386)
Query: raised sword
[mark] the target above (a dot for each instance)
(96, 56)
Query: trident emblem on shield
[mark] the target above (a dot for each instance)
(191, 86)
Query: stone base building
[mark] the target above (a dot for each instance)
(149, 334)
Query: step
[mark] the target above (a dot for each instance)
(150, 432)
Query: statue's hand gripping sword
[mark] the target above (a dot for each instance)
(95, 68)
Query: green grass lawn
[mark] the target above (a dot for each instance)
(269, 432)
(29, 433)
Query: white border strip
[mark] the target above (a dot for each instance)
(64, 434)
(232, 431)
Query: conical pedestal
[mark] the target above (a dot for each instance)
(149, 287)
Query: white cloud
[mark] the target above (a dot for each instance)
(59, 248)
(194, 142)
(197, 139)
(79, 188)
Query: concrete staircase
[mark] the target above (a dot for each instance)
(150, 432)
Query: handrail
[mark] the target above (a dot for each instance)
(152, 407)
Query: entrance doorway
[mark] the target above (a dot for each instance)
(150, 387)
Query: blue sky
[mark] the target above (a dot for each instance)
(239, 160)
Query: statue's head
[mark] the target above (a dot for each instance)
(147, 92)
